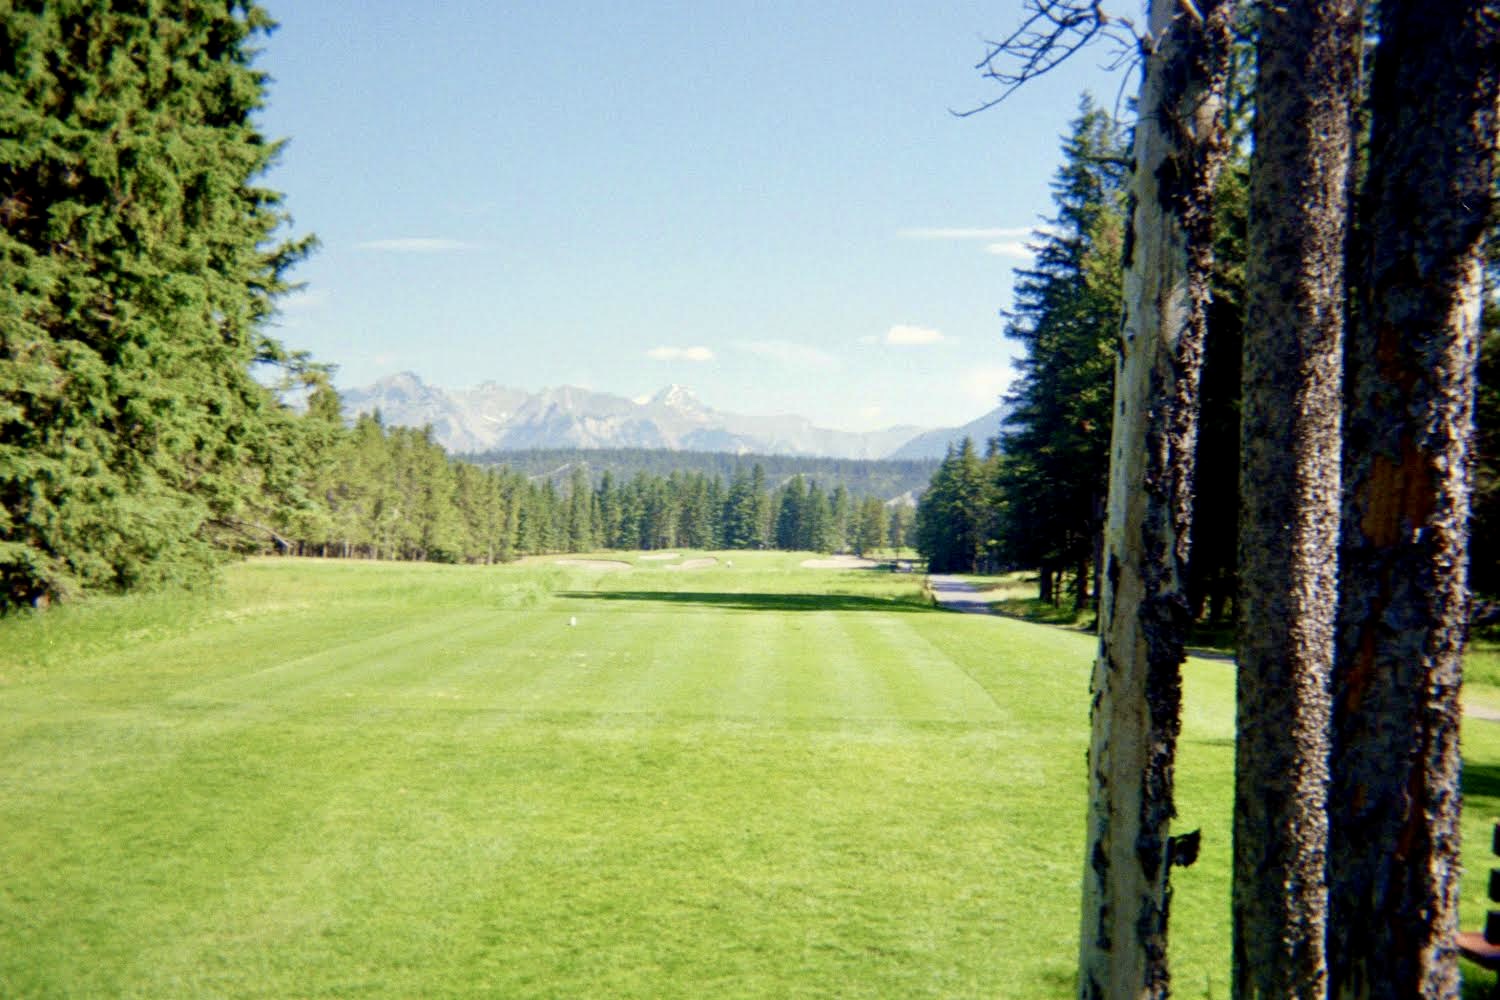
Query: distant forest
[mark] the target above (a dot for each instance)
(376, 492)
(881, 479)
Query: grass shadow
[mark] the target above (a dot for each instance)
(1481, 793)
(755, 602)
(1482, 781)
(1031, 609)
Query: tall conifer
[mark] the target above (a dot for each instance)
(137, 268)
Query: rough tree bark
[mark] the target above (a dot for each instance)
(1393, 849)
(1179, 146)
(1308, 59)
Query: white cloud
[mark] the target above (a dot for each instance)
(790, 354)
(906, 336)
(986, 384)
(417, 244)
(966, 233)
(695, 353)
(1009, 248)
(869, 412)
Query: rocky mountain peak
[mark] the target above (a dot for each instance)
(491, 417)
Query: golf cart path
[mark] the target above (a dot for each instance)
(959, 595)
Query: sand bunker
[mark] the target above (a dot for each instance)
(657, 556)
(694, 563)
(593, 563)
(839, 562)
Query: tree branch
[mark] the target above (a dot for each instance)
(1051, 33)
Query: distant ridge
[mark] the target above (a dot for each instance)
(933, 444)
(492, 417)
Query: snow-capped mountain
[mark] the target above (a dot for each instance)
(491, 417)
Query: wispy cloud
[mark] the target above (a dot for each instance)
(417, 244)
(908, 336)
(1010, 248)
(791, 354)
(967, 233)
(695, 353)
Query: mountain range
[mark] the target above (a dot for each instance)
(492, 417)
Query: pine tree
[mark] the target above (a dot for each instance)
(791, 516)
(137, 269)
(953, 518)
(581, 531)
(870, 530)
(1056, 438)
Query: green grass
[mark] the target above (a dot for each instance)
(340, 779)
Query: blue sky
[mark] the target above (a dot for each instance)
(769, 203)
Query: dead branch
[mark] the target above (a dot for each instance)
(1052, 32)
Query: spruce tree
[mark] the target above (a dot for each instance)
(137, 269)
(1056, 438)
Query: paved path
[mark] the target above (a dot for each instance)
(958, 595)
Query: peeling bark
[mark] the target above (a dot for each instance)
(1308, 60)
(1179, 147)
(1393, 852)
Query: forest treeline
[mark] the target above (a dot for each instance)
(1034, 497)
(883, 478)
(143, 433)
(371, 491)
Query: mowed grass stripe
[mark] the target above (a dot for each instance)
(836, 665)
(733, 788)
(924, 680)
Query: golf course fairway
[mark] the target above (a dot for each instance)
(718, 775)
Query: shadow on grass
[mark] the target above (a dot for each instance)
(1031, 609)
(754, 602)
(1482, 781)
(1481, 788)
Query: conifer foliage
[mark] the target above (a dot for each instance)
(1056, 440)
(138, 264)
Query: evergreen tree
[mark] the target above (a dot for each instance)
(953, 517)
(581, 506)
(1056, 439)
(138, 271)
(870, 529)
(899, 529)
(791, 516)
(842, 514)
(817, 521)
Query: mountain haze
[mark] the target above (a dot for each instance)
(492, 417)
(933, 444)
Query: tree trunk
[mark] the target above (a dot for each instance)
(1393, 850)
(1081, 583)
(1308, 57)
(1179, 146)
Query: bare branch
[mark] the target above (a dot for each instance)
(1053, 30)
